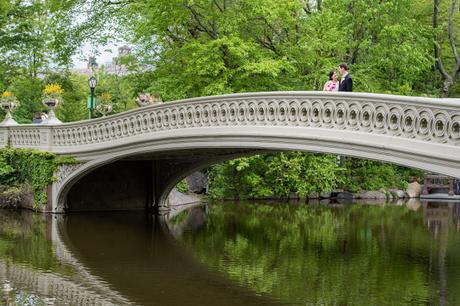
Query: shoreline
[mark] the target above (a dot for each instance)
(22, 197)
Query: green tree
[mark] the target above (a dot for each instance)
(275, 175)
(28, 90)
(215, 47)
(27, 38)
(73, 107)
(364, 174)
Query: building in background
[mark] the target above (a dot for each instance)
(115, 66)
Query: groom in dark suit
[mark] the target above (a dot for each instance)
(346, 84)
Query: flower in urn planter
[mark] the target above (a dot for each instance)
(105, 97)
(51, 97)
(8, 102)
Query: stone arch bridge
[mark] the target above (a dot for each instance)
(133, 159)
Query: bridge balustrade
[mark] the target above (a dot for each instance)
(425, 119)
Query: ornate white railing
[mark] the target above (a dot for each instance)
(426, 119)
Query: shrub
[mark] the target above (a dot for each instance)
(19, 166)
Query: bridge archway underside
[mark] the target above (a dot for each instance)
(417, 132)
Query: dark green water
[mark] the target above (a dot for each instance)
(235, 254)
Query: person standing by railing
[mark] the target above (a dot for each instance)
(333, 83)
(346, 83)
(37, 119)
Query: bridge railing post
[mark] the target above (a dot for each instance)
(426, 182)
(451, 186)
(4, 137)
(46, 138)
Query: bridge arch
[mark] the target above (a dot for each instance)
(178, 157)
(412, 131)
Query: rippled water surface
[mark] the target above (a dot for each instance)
(235, 254)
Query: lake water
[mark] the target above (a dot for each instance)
(235, 254)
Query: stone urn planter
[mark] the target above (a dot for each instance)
(51, 104)
(8, 107)
(104, 109)
(146, 99)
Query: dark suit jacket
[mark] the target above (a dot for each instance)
(346, 84)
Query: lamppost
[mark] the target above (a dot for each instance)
(92, 85)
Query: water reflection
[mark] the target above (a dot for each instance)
(440, 218)
(333, 254)
(106, 259)
(227, 254)
(137, 257)
(36, 269)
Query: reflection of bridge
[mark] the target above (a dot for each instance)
(438, 216)
(79, 287)
(139, 155)
(148, 268)
(51, 285)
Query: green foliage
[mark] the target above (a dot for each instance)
(213, 47)
(23, 240)
(73, 107)
(29, 39)
(28, 90)
(243, 177)
(7, 173)
(33, 167)
(304, 173)
(365, 174)
(275, 175)
(121, 89)
(182, 186)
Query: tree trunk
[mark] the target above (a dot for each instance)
(448, 78)
(447, 84)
